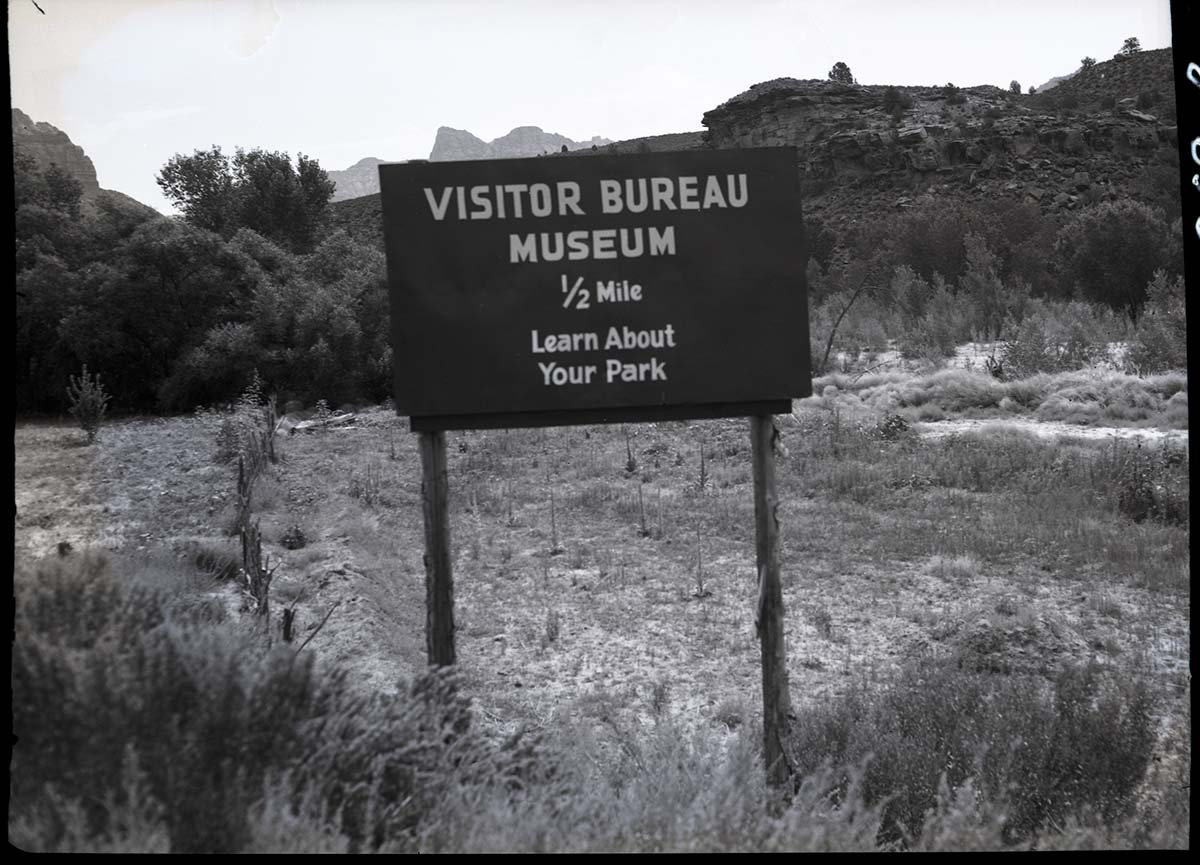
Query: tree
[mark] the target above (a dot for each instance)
(1087, 62)
(1014, 87)
(1132, 46)
(1032, 90)
(149, 302)
(257, 189)
(894, 100)
(201, 186)
(1109, 253)
(88, 402)
(841, 73)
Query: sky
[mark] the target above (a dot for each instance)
(134, 82)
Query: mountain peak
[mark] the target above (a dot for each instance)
(456, 144)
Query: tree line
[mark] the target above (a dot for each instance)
(180, 312)
(256, 277)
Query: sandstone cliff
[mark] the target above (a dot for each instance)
(1086, 141)
(856, 158)
(48, 145)
(51, 146)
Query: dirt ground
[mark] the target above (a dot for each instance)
(564, 606)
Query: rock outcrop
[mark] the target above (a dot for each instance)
(47, 145)
(856, 158)
(1086, 142)
(457, 144)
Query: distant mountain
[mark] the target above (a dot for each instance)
(48, 145)
(361, 178)
(455, 144)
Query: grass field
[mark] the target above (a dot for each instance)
(605, 585)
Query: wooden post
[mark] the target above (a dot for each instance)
(769, 610)
(439, 581)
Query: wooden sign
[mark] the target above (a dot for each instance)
(581, 289)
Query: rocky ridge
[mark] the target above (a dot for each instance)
(857, 158)
(48, 145)
(456, 144)
(361, 178)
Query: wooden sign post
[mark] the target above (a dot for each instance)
(600, 289)
(439, 578)
(768, 618)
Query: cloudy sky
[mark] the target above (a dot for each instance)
(135, 81)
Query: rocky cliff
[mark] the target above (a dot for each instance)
(48, 145)
(857, 157)
(1085, 142)
(455, 144)
(51, 146)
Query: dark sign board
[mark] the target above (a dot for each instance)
(578, 289)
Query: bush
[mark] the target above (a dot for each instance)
(1151, 484)
(1056, 337)
(946, 324)
(1108, 101)
(109, 685)
(1048, 749)
(1161, 341)
(88, 402)
(894, 100)
(242, 431)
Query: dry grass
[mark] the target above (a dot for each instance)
(1088, 398)
(885, 540)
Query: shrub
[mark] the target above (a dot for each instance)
(1161, 341)
(947, 322)
(1108, 101)
(953, 95)
(243, 429)
(1056, 337)
(894, 100)
(1087, 62)
(1048, 749)
(88, 402)
(107, 683)
(1150, 484)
